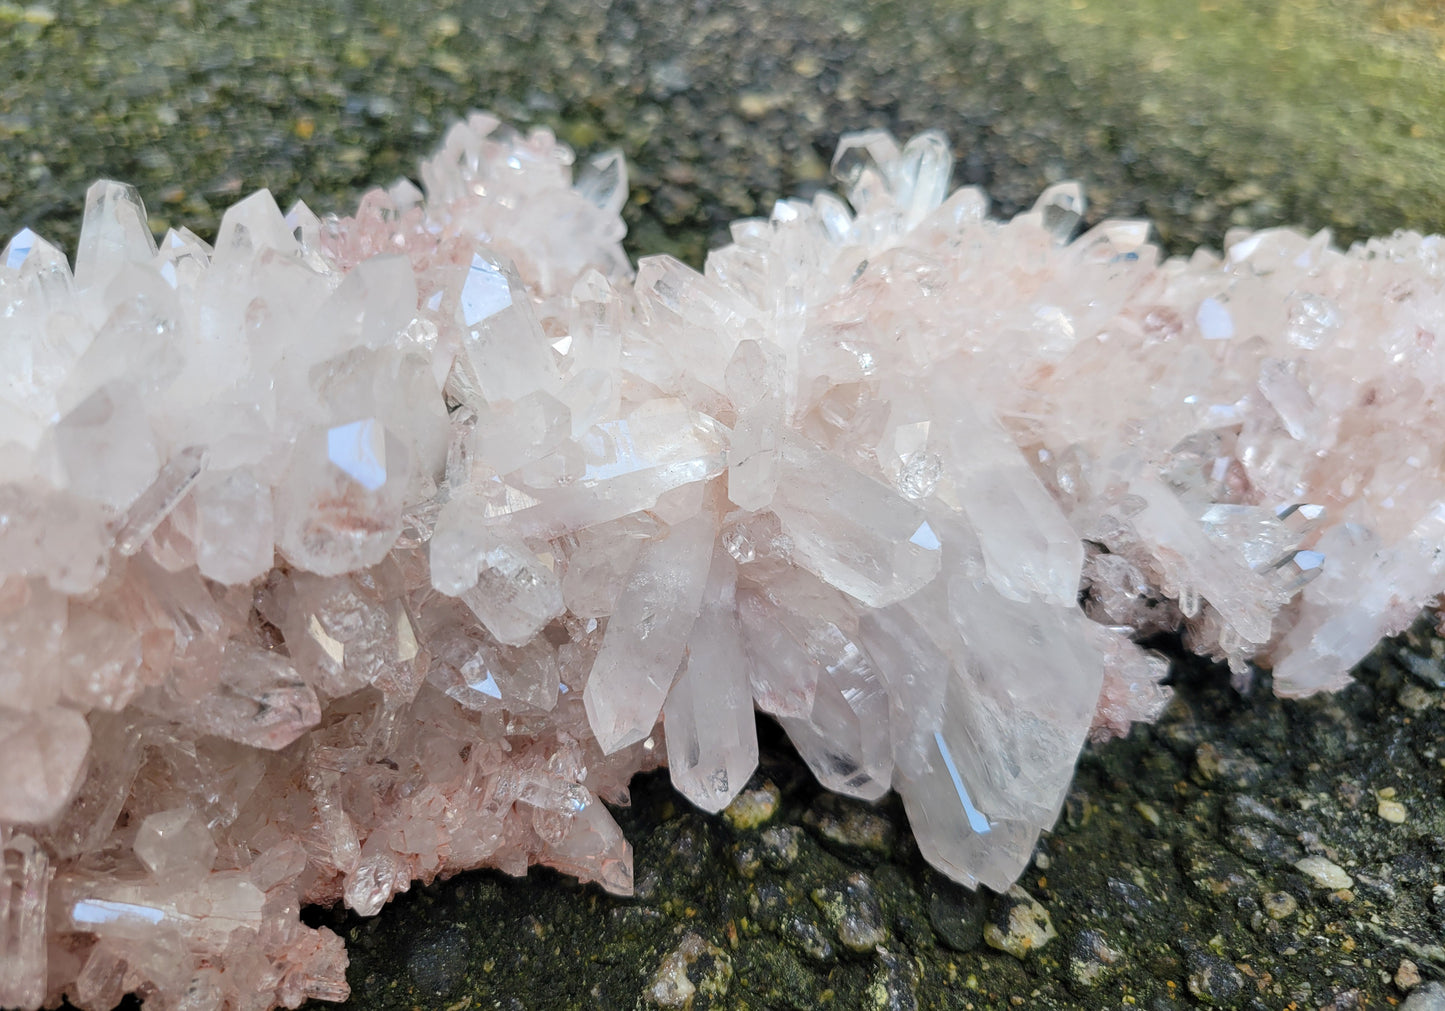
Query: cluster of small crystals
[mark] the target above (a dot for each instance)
(348, 553)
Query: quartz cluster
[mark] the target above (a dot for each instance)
(350, 552)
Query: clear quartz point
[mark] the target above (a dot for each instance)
(1060, 208)
(647, 635)
(855, 533)
(712, 739)
(171, 485)
(603, 181)
(24, 878)
(114, 231)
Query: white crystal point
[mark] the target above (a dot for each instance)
(41, 268)
(235, 527)
(867, 164)
(251, 226)
(339, 505)
(695, 320)
(926, 165)
(1029, 546)
(107, 447)
(647, 634)
(1018, 710)
(1365, 593)
(1060, 208)
(510, 437)
(175, 479)
(373, 305)
(502, 339)
(626, 465)
(1195, 566)
(603, 181)
(183, 259)
(43, 754)
(753, 458)
(845, 738)
(25, 872)
(784, 676)
(261, 702)
(512, 590)
(855, 533)
(18, 249)
(115, 231)
(176, 845)
(594, 848)
(708, 722)
(958, 839)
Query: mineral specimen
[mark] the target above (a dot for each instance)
(352, 552)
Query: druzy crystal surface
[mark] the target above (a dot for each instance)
(351, 552)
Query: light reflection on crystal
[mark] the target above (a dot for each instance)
(359, 449)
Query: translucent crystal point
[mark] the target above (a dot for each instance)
(19, 248)
(926, 164)
(510, 588)
(603, 181)
(114, 232)
(251, 226)
(108, 448)
(855, 533)
(503, 340)
(24, 880)
(647, 634)
(339, 505)
(1060, 208)
(866, 163)
(712, 740)
(1029, 546)
(44, 755)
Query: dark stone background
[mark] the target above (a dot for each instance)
(1170, 877)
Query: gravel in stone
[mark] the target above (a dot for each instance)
(780, 846)
(1280, 905)
(808, 938)
(1091, 958)
(894, 985)
(956, 915)
(854, 912)
(1212, 979)
(754, 807)
(1324, 872)
(850, 826)
(1019, 924)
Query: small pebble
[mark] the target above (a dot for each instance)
(1392, 811)
(1407, 976)
(1325, 873)
(1280, 905)
(1213, 980)
(673, 987)
(753, 807)
(1025, 925)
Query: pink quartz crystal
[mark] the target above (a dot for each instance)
(353, 552)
